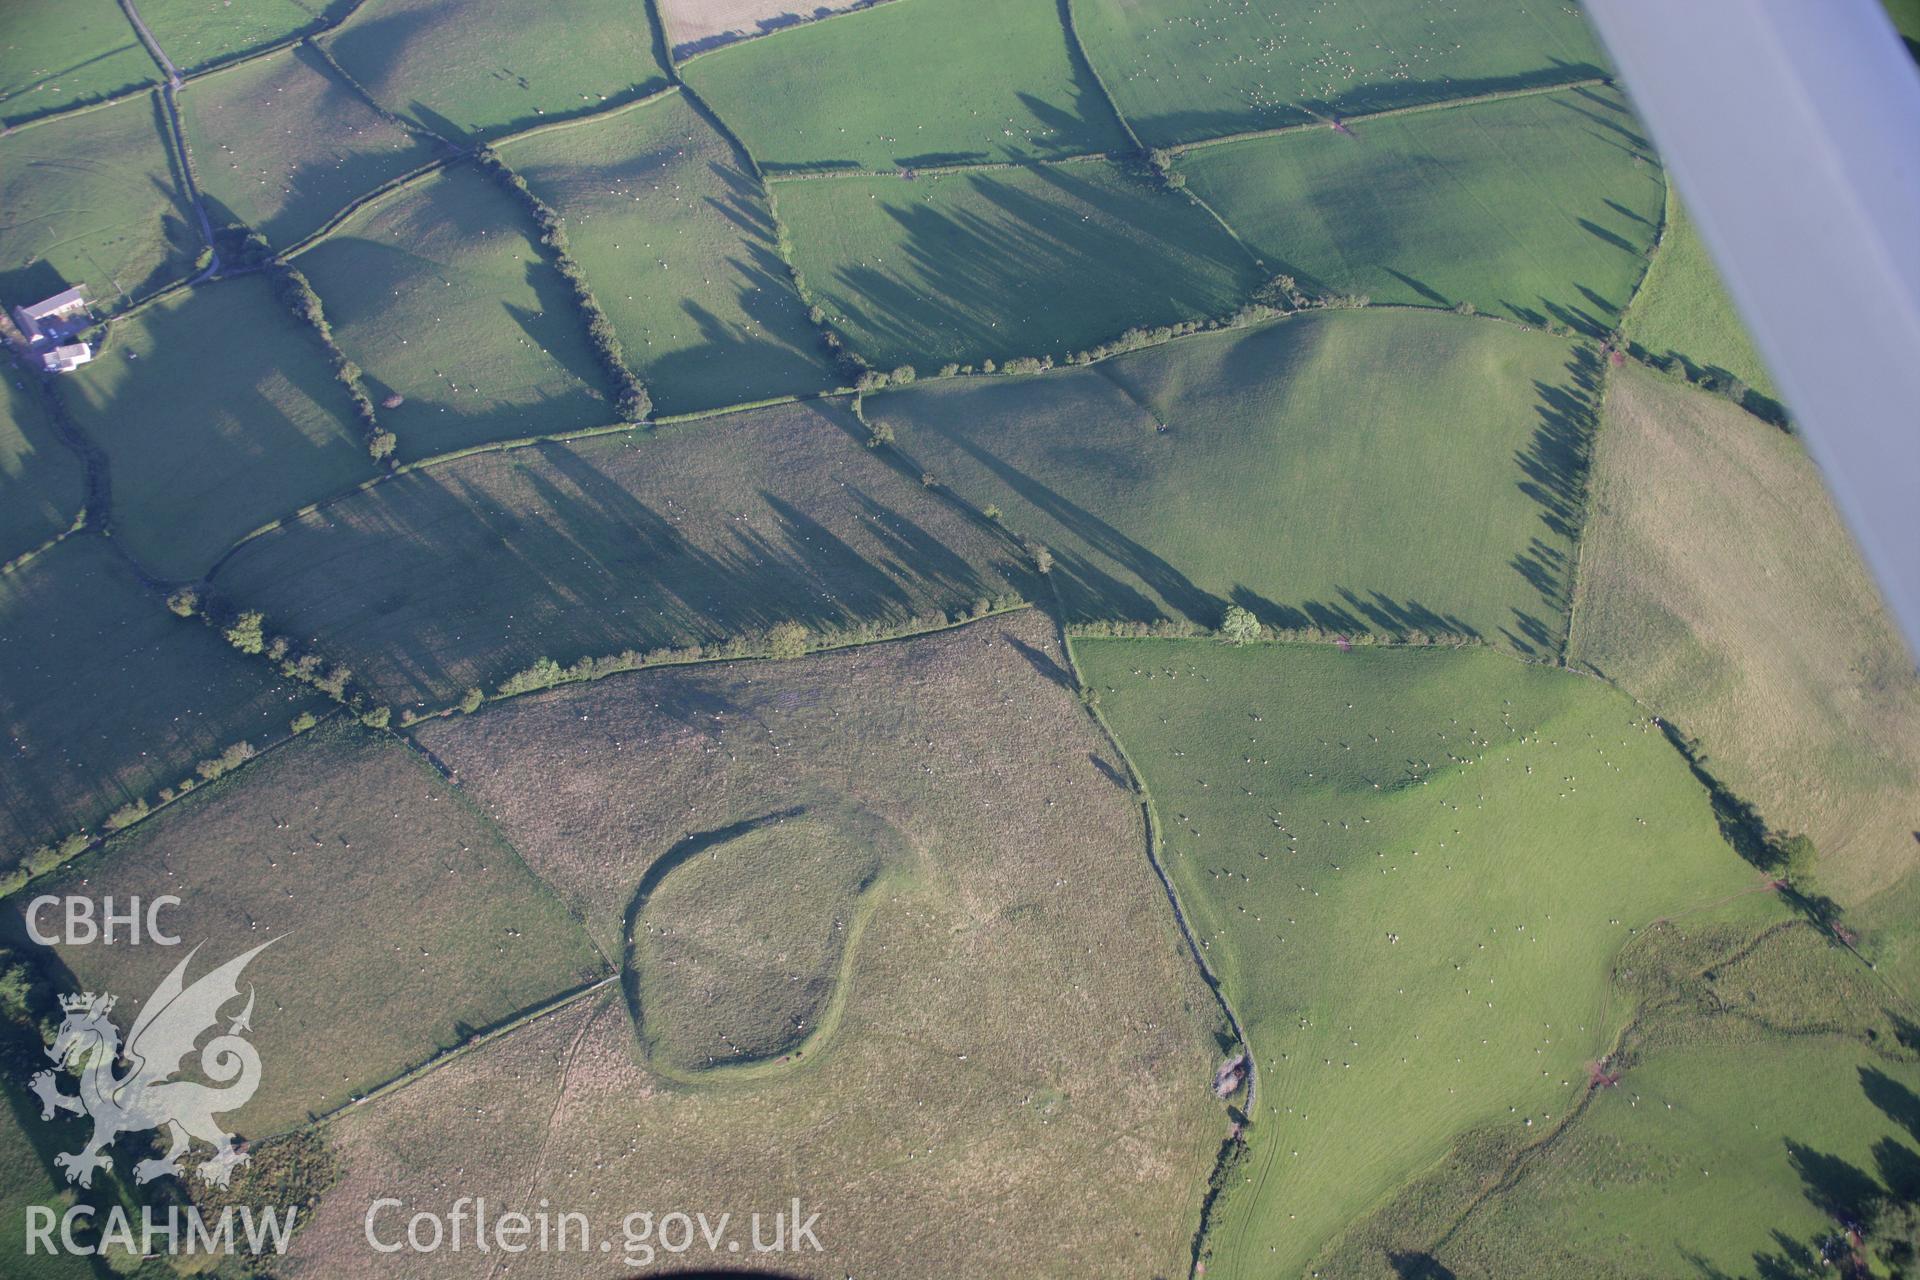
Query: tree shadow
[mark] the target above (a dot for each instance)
(460, 575)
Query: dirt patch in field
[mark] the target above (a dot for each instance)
(1022, 1039)
(696, 25)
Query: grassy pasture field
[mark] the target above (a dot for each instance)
(1718, 585)
(56, 54)
(1539, 207)
(42, 484)
(26, 1178)
(965, 267)
(283, 143)
(461, 574)
(1906, 20)
(1761, 1094)
(1677, 1167)
(198, 461)
(198, 33)
(1384, 471)
(105, 696)
(470, 70)
(983, 1056)
(924, 82)
(667, 220)
(1683, 310)
(93, 200)
(1184, 70)
(441, 295)
(1412, 870)
(331, 846)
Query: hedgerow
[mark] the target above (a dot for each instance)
(631, 398)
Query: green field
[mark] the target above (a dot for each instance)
(56, 54)
(1412, 870)
(1672, 1169)
(1539, 207)
(1718, 585)
(283, 143)
(1906, 20)
(93, 200)
(683, 535)
(199, 33)
(440, 294)
(1385, 471)
(475, 69)
(738, 946)
(993, 1046)
(42, 484)
(1683, 311)
(1182, 70)
(965, 267)
(205, 460)
(666, 219)
(27, 1144)
(924, 82)
(330, 846)
(151, 697)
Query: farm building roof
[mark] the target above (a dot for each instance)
(74, 297)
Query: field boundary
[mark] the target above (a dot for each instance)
(1077, 52)
(722, 411)
(1386, 113)
(675, 80)
(479, 1039)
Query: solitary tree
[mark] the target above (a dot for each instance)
(787, 640)
(1239, 625)
(246, 632)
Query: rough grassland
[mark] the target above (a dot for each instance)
(1412, 870)
(1540, 208)
(334, 845)
(463, 574)
(56, 54)
(42, 485)
(1182, 70)
(667, 221)
(1683, 310)
(693, 25)
(26, 1179)
(920, 83)
(198, 33)
(198, 460)
(966, 267)
(1673, 1169)
(475, 69)
(1359, 471)
(282, 143)
(996, 1049)
(105, 696)
(442, 297)
(1718, 585)
(93, 200)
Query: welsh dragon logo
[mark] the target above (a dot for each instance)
(144, 1095)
